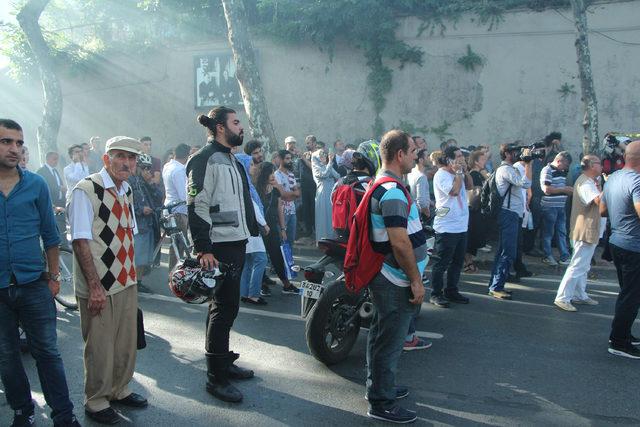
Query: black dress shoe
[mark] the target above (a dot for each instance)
(439, 301)
(513, 279)
(457, 298)
(106, 416)
(525, 273)
(134, 400)
(238, 373)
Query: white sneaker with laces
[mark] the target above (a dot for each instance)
(566, 306)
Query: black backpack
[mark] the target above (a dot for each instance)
(490, 199)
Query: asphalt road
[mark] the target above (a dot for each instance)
(520, 362)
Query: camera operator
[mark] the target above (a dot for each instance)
(510, 183)
(614, 147)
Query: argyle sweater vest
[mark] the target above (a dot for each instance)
(112, 243)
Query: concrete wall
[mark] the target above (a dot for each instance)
(514, 95)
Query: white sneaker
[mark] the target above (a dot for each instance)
(587, 301)
(549, 260)
(566, 306)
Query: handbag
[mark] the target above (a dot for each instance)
(142, 342)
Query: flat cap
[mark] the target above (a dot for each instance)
(289, 139)
(123, 143)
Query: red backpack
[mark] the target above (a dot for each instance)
(345, 200)
(362, 262)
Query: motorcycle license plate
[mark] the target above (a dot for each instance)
(311, 290)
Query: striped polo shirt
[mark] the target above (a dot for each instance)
(389, 209)
(555, 178)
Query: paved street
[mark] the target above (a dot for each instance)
(520, 362)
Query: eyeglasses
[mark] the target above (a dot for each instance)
(145, 168)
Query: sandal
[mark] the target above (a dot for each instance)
(470, 268)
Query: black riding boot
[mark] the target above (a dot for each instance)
(218, 379)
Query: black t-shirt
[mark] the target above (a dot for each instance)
(270, 203)
(477, 178)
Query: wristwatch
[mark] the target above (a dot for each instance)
(283, 228)
(55, 277)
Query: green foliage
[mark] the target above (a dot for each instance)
(567, 89)
(441, 132)
(470, 60)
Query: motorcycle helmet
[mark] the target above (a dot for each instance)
(370, 151)
(144, 160)
(194, 285)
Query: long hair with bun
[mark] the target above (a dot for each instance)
(215, 117)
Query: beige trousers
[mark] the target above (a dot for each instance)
(110, 340)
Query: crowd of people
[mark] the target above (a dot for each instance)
(241, 206)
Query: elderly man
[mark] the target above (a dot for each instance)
(586, 230)
(102, 223)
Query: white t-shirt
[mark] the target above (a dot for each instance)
(452, 212)
(587, 192)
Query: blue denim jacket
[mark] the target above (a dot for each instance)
(26, 215)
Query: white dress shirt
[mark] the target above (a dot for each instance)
(174, 176)
(73, 173)
(80, 212)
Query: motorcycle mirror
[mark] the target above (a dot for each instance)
(329, 274)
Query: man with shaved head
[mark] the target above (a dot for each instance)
(586, 230)
(621, 203)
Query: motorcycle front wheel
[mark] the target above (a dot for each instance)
(332, 329)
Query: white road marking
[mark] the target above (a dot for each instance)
(266, 313)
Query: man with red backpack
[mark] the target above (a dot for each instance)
(349, 190)
(396, 289)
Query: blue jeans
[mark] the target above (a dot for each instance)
(144, 247)
(389, 325)
(554, 219)
(290, 221)
(251, 279)
(412, 325)
(508, 224)
(32, 306)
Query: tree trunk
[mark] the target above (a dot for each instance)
(52, 115)
(590, 142)
(248, 75)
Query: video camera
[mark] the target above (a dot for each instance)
(535, 152)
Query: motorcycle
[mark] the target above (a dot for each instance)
(333, 315)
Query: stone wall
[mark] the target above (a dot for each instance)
(514, 95)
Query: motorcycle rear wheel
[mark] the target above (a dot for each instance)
(328, 336)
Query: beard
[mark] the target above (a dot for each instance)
(288, 166)
(235, 140)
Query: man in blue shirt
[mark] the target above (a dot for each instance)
(26, 289)
(621, 203)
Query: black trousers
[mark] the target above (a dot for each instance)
(449, 255)
(307, 208)
(628, 268)
(224, 307)
(272, 245)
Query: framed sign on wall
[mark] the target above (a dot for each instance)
(215, 80)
